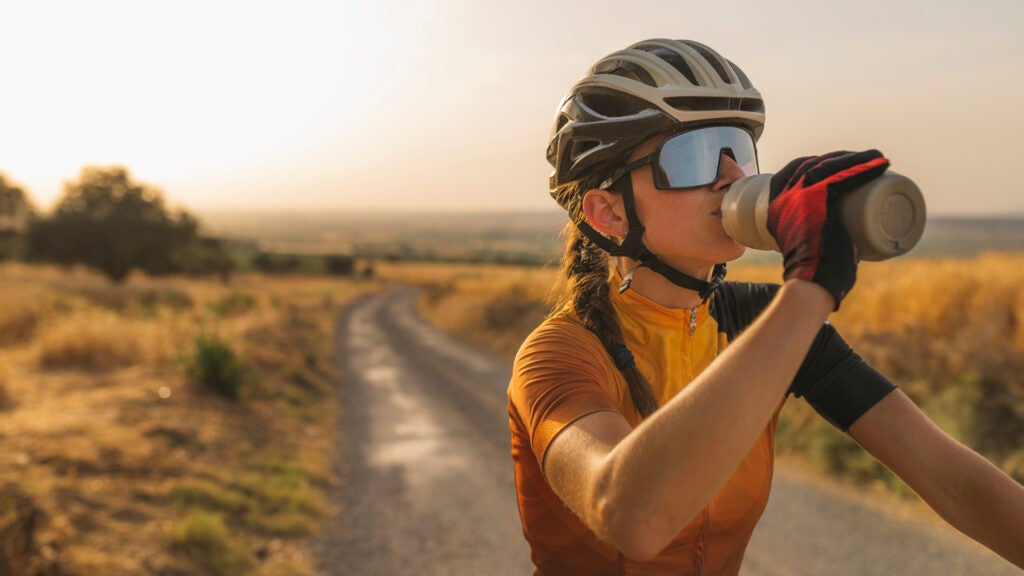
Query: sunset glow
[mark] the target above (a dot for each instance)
(447, 104)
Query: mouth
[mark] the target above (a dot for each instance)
(717, 213)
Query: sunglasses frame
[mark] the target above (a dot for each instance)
(652, 160)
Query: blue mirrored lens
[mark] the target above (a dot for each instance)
(691, 159)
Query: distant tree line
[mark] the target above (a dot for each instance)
(108, 221)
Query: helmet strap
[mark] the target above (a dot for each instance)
(632, 246)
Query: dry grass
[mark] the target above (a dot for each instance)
(496, 305)
(950, 333)
(103, 428)
(20, 315)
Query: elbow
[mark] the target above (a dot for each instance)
(640, 536)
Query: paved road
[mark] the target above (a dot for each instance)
(427, 482)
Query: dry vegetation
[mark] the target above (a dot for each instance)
(950, 333)
(134, 465)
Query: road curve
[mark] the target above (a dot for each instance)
(426, 480)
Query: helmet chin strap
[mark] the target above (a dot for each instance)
(632, 247)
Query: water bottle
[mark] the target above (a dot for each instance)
(884, 218)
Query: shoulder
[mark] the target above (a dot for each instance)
(560, 374)
(559, 340)
(737, 304)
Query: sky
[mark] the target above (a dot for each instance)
(437, 105)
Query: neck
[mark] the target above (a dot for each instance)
(659, 289)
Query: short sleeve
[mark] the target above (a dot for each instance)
(836, 382)
(560, 375)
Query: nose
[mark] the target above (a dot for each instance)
(728, 172)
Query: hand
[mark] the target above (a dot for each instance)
(804, 216)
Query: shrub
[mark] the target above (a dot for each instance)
(339, 265)
(205, 539)
(235, 303)
(215, 365)
(95, 341)
(19, 318)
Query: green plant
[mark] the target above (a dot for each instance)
(235, 303)
(273, 497)
(215, 365)
(205, 539)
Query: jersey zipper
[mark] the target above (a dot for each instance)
(693, 320)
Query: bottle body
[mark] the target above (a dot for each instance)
(884, 218)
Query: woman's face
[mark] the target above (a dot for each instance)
(684, 227)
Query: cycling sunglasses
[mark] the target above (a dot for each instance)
(691, 159)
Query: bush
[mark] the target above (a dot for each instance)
(235, 303)
(276, 263)
(339, 265)
(215, 365)
(97, 342)
(205, 539)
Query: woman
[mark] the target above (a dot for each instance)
(643, 409)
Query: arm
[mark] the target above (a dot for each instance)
(638, 488)
(964, 488)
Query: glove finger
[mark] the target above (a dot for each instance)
(861, 175)
(781, 180)
(835, 165)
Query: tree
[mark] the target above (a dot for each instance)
(107, 221)
(16, 215)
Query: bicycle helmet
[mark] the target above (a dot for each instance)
(628, 96)
(650, 87)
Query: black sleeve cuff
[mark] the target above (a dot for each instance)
(836, 382)
(850, 395)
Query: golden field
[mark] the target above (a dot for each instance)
(137, 468)
(134, 466)
(948, 332)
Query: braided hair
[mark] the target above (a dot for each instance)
(585, 291)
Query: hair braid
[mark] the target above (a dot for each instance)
(586, 291)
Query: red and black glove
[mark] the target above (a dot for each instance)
(804, 216)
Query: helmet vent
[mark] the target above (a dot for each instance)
(720, 104)
(626, 69)
(562, 121)
(613, 104)
(752, 105)
(744, 81)
(670, 57)
(580, 148)
(711, 58)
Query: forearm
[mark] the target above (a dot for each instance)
(964, 488)
(660, 476)
(986, 505)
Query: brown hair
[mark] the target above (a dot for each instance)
(584, 291)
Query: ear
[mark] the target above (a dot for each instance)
(605, 212)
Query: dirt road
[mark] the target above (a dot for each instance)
(427, 481)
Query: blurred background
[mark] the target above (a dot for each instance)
(190, 191)
(446, 104)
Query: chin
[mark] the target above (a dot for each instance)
(728, 249)
(738, 251)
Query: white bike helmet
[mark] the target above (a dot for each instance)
(650, 87)
(628, 96)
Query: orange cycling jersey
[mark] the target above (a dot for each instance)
(563, 373)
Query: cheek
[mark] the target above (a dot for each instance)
(673, 223)
(684, 226)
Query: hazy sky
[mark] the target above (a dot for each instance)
(447, 104)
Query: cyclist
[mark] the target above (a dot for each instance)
(643, 409)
